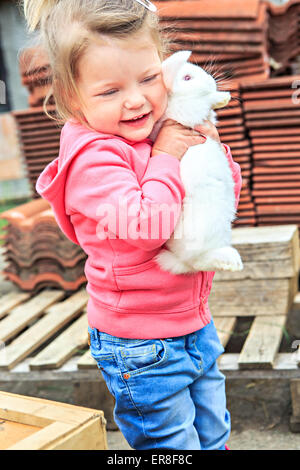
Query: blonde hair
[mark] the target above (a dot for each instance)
(67, 27)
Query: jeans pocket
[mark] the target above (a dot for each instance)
(142, 356)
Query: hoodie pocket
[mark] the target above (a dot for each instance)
(146, 287)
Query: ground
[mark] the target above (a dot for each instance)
(243, 438)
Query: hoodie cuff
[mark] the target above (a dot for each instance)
(236, 174)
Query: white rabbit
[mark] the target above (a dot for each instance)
(201, 240)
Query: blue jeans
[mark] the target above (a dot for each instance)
(169, 393)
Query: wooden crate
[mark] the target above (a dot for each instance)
(269, 281)
(28, 423)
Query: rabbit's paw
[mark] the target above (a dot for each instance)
(169, 262)
(230, 259)
(221, 259)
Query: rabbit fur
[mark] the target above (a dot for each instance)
(201, 240)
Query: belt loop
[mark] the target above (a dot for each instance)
(97, 334)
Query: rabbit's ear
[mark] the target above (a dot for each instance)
(172, 64)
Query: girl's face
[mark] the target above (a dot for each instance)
(119, 82)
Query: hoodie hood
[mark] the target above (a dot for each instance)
(51, 183)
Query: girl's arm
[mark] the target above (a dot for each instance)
(236, 174)
(102, 186)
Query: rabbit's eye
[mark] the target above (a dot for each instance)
(187, 77)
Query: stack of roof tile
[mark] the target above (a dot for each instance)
(229, 38)
(35, 75)
(230, 34)
(232, 131)
(283, 33)
(39, 138)
(36, 251)
(272, 115)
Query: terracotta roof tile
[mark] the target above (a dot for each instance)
(20, 213)
(227, 33)
(283, 32)
(42, 280)
(39, 138)
(272, 118)
(206, 8)
(233, 132)
(37, 252)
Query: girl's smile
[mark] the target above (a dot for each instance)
(138, 121)
(122, 87)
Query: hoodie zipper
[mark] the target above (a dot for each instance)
(204, 289)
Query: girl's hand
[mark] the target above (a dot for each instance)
(175, 139)
(209, 130)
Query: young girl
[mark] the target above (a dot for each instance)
(119, 195)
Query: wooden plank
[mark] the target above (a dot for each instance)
(57, 316)
(225, 327)
(89, 436)
(268, 269)
(87, 361)
(63, 347)
(266, 236)
(262, 342)
(282, 362)
(63, 436)
(12, 432)
(11, 300)
(267, 252)
(295, 255)
(41, 412)
(228, 361)
(295, 394)
(40, 439)
(286, 361)
(252, 297)
(29, 311)
(296, 302)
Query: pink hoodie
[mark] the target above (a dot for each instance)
(112, 199)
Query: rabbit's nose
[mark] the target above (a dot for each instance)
(222, 100)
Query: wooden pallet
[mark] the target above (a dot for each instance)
(260, 349)
(49, 332)
(28, 324)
